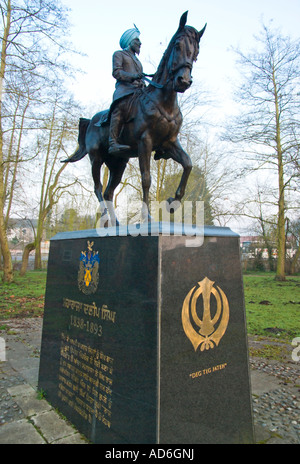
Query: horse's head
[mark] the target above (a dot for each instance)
(183, 50)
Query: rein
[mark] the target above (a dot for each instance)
(170, 78)
(144, 78)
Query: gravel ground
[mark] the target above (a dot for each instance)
(276, 412)
(9, 410)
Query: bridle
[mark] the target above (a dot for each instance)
(171, 72)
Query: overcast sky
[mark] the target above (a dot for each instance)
(99, 24)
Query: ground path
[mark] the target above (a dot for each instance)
(26, 419)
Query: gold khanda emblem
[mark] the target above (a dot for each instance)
(207, 332)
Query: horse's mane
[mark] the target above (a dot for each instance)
(189, 31)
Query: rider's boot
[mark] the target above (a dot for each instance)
(114, 132)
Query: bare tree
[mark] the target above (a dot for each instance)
(268, 128)
(32, 36)
(52, 145)
(258, 205)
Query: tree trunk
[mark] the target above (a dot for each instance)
(8, 274)
(280, 270)
(7, 262)
(30, 247)
(15, 167)
(38, 254)
(281, 238)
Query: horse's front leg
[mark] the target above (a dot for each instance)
(180, 156)
(144, 151)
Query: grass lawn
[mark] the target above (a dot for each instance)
(24, 297)
(273, 308)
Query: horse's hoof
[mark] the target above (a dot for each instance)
(172, 205)
(170, 200)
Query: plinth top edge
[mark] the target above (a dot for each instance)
(149, 229)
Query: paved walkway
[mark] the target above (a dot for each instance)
(25, 419)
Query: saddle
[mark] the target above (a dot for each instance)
(129, 109)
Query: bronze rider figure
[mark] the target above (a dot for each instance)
(128, 71)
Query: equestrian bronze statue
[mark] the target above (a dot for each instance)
(142, 119)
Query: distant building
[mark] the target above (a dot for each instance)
(251, 245)
(20, 232)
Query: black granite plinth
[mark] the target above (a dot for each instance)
(144, 338)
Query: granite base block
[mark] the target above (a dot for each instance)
(144, 338)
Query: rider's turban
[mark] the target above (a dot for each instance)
(128, 37)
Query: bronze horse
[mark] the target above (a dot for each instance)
(152, 124)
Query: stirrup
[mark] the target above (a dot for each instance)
(117, 148)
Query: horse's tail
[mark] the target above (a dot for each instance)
(81, 151)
